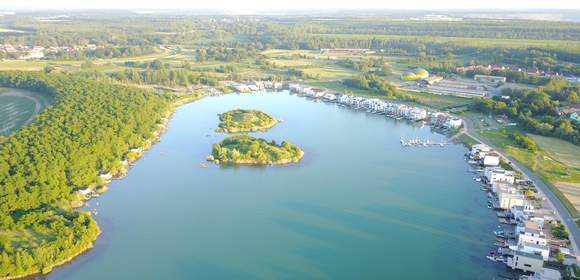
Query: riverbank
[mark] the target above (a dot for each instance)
(545, 191)
(131, 156)
(85, 195)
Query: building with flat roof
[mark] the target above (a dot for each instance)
(524, 261)
(489, 79)
(496, 174)
(509, 197)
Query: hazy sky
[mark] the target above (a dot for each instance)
(292, 4)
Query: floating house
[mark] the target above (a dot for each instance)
(491, 159)
(527, 262)
(496, 174)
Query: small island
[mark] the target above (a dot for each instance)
(247, 150)
(239, 120)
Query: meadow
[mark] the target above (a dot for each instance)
(18, 108)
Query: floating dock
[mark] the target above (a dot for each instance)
(411, 142)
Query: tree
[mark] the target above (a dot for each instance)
(560, 257)
(559, 231)
(565, 129)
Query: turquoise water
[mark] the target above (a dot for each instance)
(359, 206)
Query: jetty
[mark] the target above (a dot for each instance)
(421, 142)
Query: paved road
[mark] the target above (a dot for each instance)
(545, 191)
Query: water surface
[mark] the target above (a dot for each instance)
(359, 206)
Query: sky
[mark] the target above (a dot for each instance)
(290, 4)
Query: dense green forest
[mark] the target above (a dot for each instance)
(87, 131)
(245, 149)
(240, 120)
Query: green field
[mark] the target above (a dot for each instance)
(440, 102)
(547, 162)
(563, 151)
(18, 108)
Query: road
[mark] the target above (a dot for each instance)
(561, 211)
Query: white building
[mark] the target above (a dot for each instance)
(478, 151)
(496, 174)
(542, 251)
(417, 114)
(499, 186)
(522, 213)
(508, 198)
(491, 159)
(544, 274)
(489, 79)
(453, 123)
(106, 176)
(530, 232)
(525, 261)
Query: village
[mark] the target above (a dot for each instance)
(530, 238)
(29, 52)
(397, 111)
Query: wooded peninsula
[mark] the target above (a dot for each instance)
(89, 130)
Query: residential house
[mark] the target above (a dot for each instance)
(527, 262)
(496, 174)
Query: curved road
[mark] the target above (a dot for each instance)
(545, 191)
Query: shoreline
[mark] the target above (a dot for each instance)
(552, 199)
(59, 264)
(561, 216)
(164, 120)
(241, 130)
(254, 163)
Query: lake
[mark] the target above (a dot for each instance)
(358, 206)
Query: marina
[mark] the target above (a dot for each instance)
(414, 141)
(525, 243)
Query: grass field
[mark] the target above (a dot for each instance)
(563, 151)
(18, 108)
(467, 140)
(440, 102)
(547, 162)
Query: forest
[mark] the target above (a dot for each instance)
(245, 149)
(537, 110)
(86, 132)
(239, 120)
